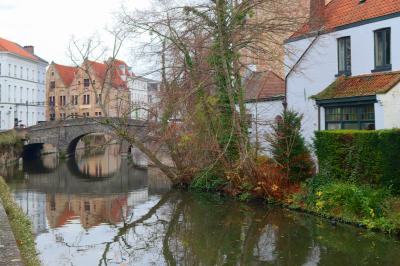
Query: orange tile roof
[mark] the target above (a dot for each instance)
(263, 86)
(11, 47)
(66, 73)
(364, 85)
(344, 12)
(101, 70)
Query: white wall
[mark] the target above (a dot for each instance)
(390, 105)
(263, 115)
(139, 98)
(319, 66)
(12, 101)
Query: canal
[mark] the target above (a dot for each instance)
(99, 209)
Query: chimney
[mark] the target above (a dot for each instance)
(317, 8)
(30, 49)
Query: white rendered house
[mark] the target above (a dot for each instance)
(343, 72)
(143, 95)
(264, 97)
(22, 86)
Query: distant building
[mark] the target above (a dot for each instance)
(22, 86)
(264, 97)
(346, 68)
(92, 89)
(144, 95)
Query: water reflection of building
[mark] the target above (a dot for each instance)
(91, 210)
(33, 204)
(100, 162)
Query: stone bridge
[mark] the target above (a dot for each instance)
(64, 135)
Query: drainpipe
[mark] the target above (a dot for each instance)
(291, 70)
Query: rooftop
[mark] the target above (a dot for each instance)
(340, 13)
(14, 48)
(264, 85)
(364, 85)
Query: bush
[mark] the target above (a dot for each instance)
(371, 157)
(362, 204)
(288, 147)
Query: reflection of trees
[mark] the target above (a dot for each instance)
(189, 230)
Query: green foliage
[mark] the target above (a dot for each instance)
(371, 157)
(20, 225)
(208, 180)
(362, 204)
(9, 138)
(288, 147)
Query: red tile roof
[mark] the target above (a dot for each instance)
(344, 12)
(364, 85)
(263, 86)
(102, 69)
(11, 47)
(66, 73)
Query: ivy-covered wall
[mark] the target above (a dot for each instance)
(363, 156)
(11, 147)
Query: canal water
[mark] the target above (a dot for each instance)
(99, 209)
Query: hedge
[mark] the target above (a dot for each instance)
(363, 156)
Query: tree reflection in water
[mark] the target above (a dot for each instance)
(182, 229)
(130, 216)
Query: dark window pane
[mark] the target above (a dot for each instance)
(333, 126)
(349, 113)
(350, 126)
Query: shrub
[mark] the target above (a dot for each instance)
(363, 156)
(288, 147)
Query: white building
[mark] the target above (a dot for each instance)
(22, 85)
(143, 95)
(343, 69)
(264, 96)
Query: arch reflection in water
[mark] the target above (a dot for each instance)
(132, 217)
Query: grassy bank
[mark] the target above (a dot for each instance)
(363, 205)
(20, 225)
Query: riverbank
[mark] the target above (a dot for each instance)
(21, 228)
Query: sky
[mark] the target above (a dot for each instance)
(49, 25)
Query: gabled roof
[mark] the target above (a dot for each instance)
(102, 69)
(14, 48)
(67, 73)
(345, 12)
(364, 85)
(264, 85)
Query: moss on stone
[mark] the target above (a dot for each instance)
(20, 225)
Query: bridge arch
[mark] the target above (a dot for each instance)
(65, 135)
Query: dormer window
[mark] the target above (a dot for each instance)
(344, 56)
(382, 50)
(86, 82)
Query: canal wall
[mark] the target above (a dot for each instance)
(11, 147)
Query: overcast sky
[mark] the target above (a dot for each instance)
(50, 24)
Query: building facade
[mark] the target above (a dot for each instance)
(92, 89)
(22, 86)
(343, 74)
(144, 95)
(264, 97)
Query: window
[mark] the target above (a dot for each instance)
(15, 71)
(0, 69)
(86, 99)
(86, 114)
(52, 116)
(62, 116)
(62, 100)
(98, 99)
(350, 117)
(86, 82)
(20, 95)
(97, 113)
(21, 72)
(74, 100)
(27, 73)
(382, 50)
(52, 84)
(9, 70)
(344, 56)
